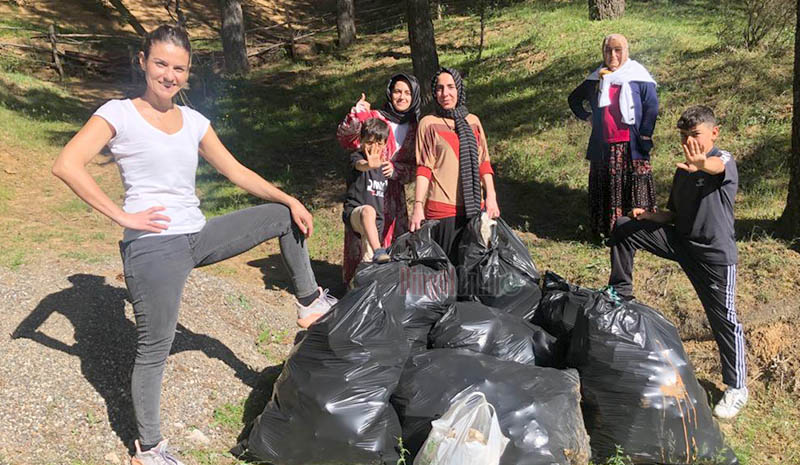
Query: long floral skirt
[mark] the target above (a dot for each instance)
(618, 184)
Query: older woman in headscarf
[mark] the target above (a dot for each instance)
(623, 110)
(453, 167)
(401, 112)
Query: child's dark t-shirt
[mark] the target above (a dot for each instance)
(364, 188)
(703, 207)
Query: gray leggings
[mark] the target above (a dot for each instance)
(156, 269)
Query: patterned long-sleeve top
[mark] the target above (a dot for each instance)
(437, 160)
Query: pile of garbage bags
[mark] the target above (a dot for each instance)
(332, 398)
(549, 372)
(474, 326)
(538, 408)
(496, 268)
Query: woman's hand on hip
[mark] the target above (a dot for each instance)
(148, 220)
(417, 217)
(301, 217)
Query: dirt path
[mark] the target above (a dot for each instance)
(67, 348)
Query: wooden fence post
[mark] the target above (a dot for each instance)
(56, 60)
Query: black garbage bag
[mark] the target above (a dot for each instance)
(417, 286)
(538, 408)
(330, 403)
(476, 327)
(501, 274)
(561, 305)
(419, 247)
(639, 388)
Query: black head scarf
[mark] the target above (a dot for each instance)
(468, 145)
(412, 113)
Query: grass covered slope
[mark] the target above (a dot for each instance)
(281, 121)
(284, 118)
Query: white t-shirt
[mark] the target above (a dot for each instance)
(157, 169)
(400, 131)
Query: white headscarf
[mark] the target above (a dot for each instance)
(631, 70)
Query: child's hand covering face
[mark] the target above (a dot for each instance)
(373, 151)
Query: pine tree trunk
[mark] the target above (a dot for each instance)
(423, 45)
(789, 223)
(606, 9)
(345, 22)
(128, 16)
(233, 41)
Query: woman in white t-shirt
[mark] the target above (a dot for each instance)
(155, 144)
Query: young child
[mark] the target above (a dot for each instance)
(366, 184)
(696, 231)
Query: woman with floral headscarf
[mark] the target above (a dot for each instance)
(453, 168)
(401, 112)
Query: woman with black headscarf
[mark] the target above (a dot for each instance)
(401, 112)
(453, 168)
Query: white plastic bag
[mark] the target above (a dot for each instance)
(487, 225)
(467, 434)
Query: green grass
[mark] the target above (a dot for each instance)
(229, 416)
(762, 425)
(86, 257)
(72, 206)
(619, 458)
(13, 252)
(281, 120)
(402, 451)
(204, 457)
(238, 300)
(6, 194)
(26, 28)
(268, 336)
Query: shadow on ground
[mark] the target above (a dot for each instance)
(105, 342)
(258, 398)
(275, 276)
(714, 393)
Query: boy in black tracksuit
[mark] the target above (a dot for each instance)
(697, 232)
(366, 185)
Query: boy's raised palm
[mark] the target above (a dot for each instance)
(695, 156)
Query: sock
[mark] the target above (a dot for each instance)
(147, 447)
(306, 301)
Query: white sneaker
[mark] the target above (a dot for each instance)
(732, 401)
(158, 455)
(308, 314)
